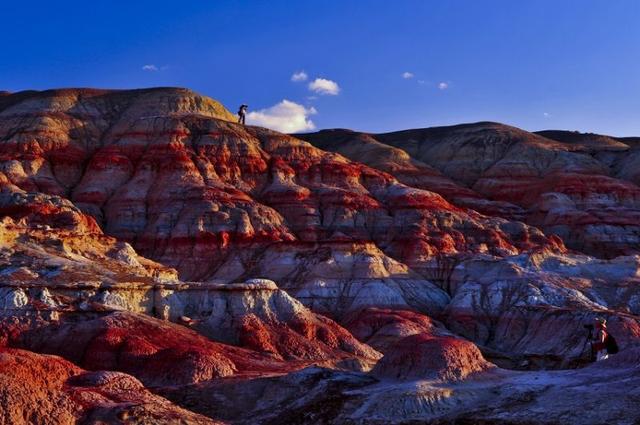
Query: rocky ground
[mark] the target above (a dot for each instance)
(161, 264)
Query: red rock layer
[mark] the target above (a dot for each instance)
(160, 169)
(156, 352)
(35, 388)
(571, 187)
(423, 356)
(382, 328)
(320, 339)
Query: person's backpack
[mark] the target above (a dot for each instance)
(611, 344)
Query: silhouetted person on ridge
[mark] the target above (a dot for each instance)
(242, 112)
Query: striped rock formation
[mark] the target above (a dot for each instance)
(151, 249)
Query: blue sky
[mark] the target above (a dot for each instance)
(534, 64)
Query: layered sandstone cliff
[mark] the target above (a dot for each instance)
(151, 247)
(581, 187)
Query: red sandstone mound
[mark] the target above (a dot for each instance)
(156, 352)
(423, 356)
(382, 328)
(35, 388)
(259, 316)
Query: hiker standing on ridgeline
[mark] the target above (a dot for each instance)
(242, 112)
(603, 342)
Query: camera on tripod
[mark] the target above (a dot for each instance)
(588, 340)
(589, 329)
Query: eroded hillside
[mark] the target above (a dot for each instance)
(349, 278)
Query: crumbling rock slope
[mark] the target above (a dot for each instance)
(160, 263)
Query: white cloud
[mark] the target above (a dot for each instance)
(422, 82)
(286, 117)
(324, 86)
(406, 75)
(150, 67)
(443, 85)
(299, 76)
(546, 114)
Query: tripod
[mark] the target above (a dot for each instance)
(589, 340)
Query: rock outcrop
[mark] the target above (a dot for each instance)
(581, 187)
(427, 357)
(37, 388)
(513, 306)
(259, 316)
(382, 328)
(156, 352)
(166, 171)
(152, 247)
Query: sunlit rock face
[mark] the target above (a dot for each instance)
(581, 187)
(255, 325)
(39, 388)
(217, 201)
(163, 264)
(259, 316)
